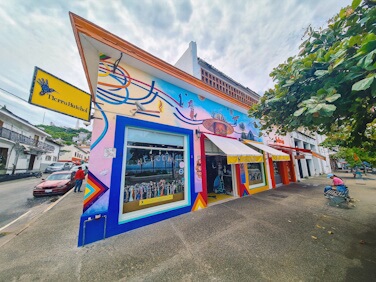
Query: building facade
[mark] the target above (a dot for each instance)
(308, 158)
(73, 153)
(21, 144)
(163, 142)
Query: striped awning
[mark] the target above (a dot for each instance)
(277, 155)
(236, 151)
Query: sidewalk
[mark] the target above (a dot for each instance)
(278, 235)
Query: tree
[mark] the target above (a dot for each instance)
(63, 133)
(356, 156)
(330, 86)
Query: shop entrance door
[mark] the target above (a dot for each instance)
(277, 175)
(31, 163)
(219, 178)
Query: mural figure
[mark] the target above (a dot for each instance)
(218, 125)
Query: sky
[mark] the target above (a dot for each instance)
(245, 39)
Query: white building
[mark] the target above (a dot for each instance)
(50, 156)
(197, 67)
(310, 159)
(21, 144)
(73, 153)
(81, 138)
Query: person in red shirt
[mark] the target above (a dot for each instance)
(79, 177)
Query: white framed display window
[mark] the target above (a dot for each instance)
(256, 175)
(155, 173)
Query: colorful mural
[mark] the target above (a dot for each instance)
(151, 180)
(130, 92)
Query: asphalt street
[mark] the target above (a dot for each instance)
(285, 234)
(16, 198)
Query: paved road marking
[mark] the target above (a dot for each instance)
(2, 228)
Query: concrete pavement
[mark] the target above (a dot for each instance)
(285, 234)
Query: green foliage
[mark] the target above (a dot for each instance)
(65, 134)
(363, 155)
(330, 87)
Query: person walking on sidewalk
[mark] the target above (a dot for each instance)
(79, 177)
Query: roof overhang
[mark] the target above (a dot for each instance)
(93, 40)
(23, 122)
(296, 149)
(28, 149)
(236, 151)
(277, 155)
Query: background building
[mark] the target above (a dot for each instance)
(308, 157)
(73, 153)
(50, 156)
(197, 67)
(21, 144)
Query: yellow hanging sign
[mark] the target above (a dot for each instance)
(48, 91)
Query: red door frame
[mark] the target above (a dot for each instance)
(204, 192)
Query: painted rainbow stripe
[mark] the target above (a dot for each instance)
(93, 191)
(199, 203)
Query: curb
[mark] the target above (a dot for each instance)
(18, 232)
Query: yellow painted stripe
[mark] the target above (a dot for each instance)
(156, 200)
(244, 159)
(280, 158)
(258, 189)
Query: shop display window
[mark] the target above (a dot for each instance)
(155, 175)
(256, 175)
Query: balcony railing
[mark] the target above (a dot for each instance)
(22, 139)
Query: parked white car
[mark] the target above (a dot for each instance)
(58, 166)
(85, 167)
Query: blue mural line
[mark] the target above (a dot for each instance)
(119, 80)
(186, 121)
(125, 81)
(116, 95)
(116, 88)
(186, 117)
(164, 99)
(147, 114)
(118, 71)
(100, 91)
(109, 92)
(150, 91)
(104, 129)
(128, 98)
(155, 94)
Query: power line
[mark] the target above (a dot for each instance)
(18, 97)
(14, 95)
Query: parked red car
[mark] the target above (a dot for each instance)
(57, 183)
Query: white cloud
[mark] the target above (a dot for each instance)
(244, 39)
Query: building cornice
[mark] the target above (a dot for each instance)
(82, 26)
